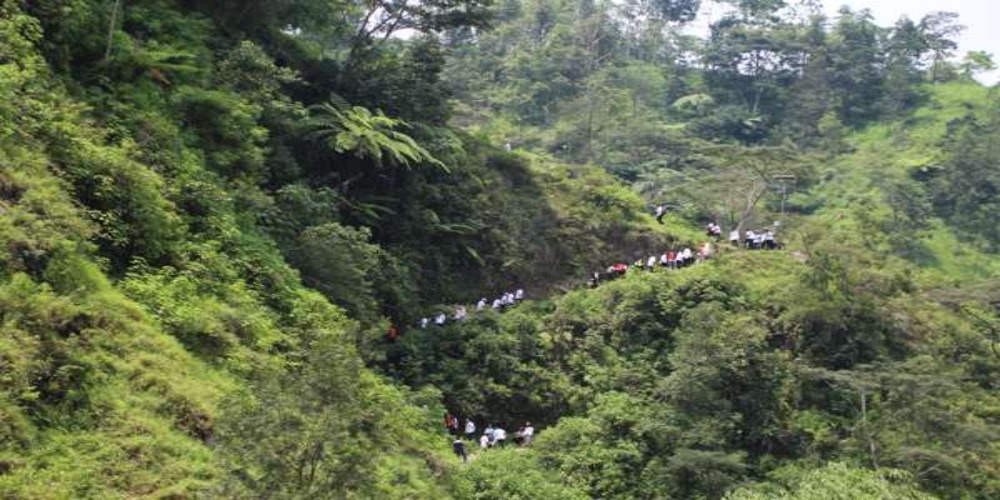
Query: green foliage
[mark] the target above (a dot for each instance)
(513, 474)
(340, 262)
(977, 61)
(368, 136)
(225, 128)
(307, 433)
(836, 480)
(194, 289)
(965, 191)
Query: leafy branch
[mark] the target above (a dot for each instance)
(368, 135)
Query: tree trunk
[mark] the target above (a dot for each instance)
(111, 28)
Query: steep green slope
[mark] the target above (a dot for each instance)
(872, 342)
(156, 342)
(756, 366)
(879, 187)
(147, 384)
(210, 215)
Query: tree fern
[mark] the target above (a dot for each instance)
(367, 135)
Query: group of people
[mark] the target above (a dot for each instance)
(755, 240)
(499, 304)
(763, 239)
(671, 259)
(493, 436)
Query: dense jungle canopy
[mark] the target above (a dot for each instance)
(212, 212)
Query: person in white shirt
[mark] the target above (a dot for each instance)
(750, 238)
(651, 263)
(664, 260)
(499, 437)
(440, 319)
(460, 313)
(484, 441)
(527, 434)
(519, 294)
(734, 237)
(470, 429)
(481, 304)
(705, 252)
(489, 432)
(496, 304)
(423, 322)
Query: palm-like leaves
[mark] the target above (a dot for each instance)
(368, 135)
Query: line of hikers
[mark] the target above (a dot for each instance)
(763, 239)
(671, 259)
(494, 436)
(499, 304)
(677, 259)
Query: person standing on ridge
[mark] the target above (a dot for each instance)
(661, 210)
(499, 437)
(470, 429)
(527, 434)
(459, 447)
(769, 240)
(490, 432)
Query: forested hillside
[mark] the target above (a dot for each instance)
(212, 213)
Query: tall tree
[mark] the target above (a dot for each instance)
(941, 30)
(906, 46)
(857, 56)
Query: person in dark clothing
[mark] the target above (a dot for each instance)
(661, 211)
(459, 447)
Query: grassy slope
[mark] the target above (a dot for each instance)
(891, 151)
